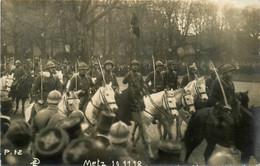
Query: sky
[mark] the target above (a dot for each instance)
(238, 3)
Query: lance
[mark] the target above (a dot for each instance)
(76, 77)
(103, 76)
(41, 79)
(154, 73)
(221, 86)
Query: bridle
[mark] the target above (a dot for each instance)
(198, 91)
(105, 103)
(184, 102)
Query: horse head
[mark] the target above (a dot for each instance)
(198, 88)
(108, 97)
(70, 102)
(188, 101)
(170, 103)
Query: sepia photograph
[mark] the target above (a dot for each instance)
(130, 82)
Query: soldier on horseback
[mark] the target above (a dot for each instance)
(82, 84)
(226, 106)
(157, 85)
(135, 92)
(109, 76)
(170, 76)
(94, 71)
(45, 83)
(190, 76)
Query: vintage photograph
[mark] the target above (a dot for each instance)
(130, 82)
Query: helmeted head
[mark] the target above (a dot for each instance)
(118, 133)
(50, 66)
(108, 65)
(135, 65)
(159, 66)
(17, 63)
(54, 97)
(193, 69)
(29, 61)
(228, 70)
(65, 61)
(36, 59)
(83, 68)
(171, 65)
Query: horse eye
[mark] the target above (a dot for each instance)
(170, 101)
(107, 94)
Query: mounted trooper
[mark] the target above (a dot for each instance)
(135, 93)
(46, 83)
(36, 66)
(18, 72)
(94, 71)
(225, 112)
(170, 76)
(82, 84)
(157, 84)
(190, 76)
(108, 75)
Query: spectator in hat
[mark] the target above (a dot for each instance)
(43, 117)
(118, 137)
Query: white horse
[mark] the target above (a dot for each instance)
(158, 106)
(102, 100)
(69, 103)
(6, 82)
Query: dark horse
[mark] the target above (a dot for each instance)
(22, 91)
(199, 129)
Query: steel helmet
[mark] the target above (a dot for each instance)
(227, 68)
(193, 67)
(54, 97)
(108, 62)
(49, 64)
(118, 133)
(135, 62)
(171, 62)
(158, 63)
(83, 66)
(95, 63)
(17, 62)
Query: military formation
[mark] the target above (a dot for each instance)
(56, 138)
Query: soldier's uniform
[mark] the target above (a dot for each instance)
(84, 85)
(109, 77)
(216, 99)
(50, 82)
(170, 77)
(36, 67)
(43, 117)
(159, 80)
(18, 73)
(67, 72)
(189, 77)
(94, 72)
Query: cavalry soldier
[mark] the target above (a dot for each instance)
(42, 117)
(157, 85)
(67, 72)
(170, 76)
(28, 66)
(190, 76)
(18, 72)
(94, 71)
(136, 91)
(109, 76)
(46, 83)
(82, 84)
(225, 111)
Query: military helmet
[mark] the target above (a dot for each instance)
(77, 114)
(108, 62)
(193, 67)
(171, 62)
(135, 62)
(17, 62)
(83, 66)
(227, 68)
(158, 63)
(95, 63)
(49, 64)
(222, 158)
(118, 133)
(54, 97)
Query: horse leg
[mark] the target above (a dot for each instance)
(135, 141)
(160, 130)
(210, 148)
(133, 132)
(23, 103)
(167, 129)
(178, 128)
(191, 146)
(146, 139)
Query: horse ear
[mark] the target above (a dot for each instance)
(110, 84)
